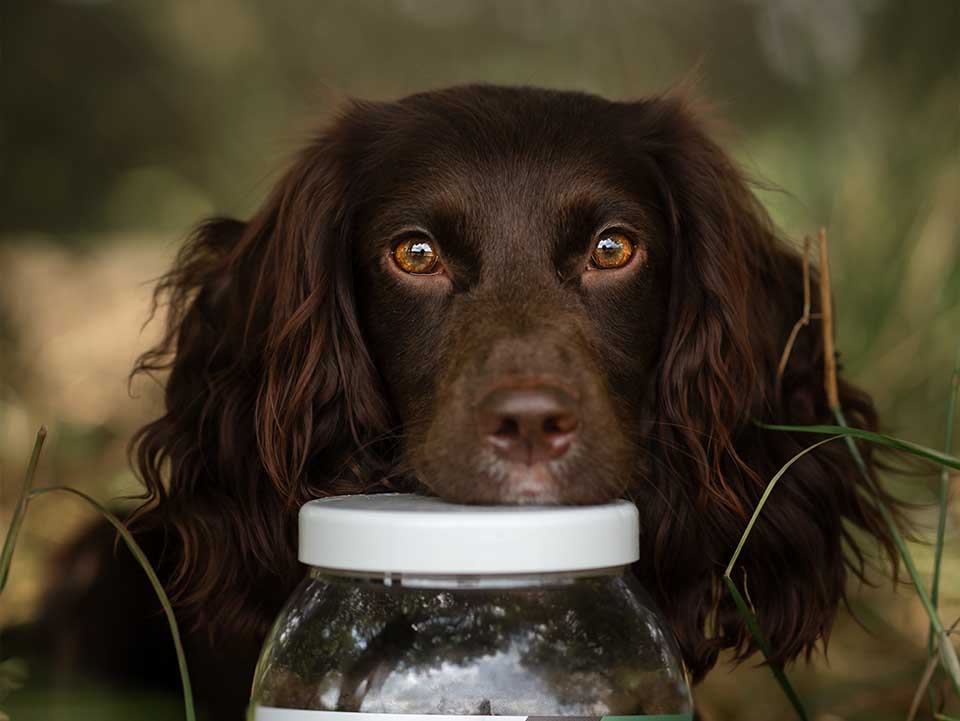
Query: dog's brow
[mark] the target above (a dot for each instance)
(419, 200)
(604, 207)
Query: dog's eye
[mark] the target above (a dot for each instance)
(416, 255)
(613, 250)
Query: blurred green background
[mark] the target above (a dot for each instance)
(126, 122)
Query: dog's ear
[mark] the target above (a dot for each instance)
(736, 291)
(270, 385)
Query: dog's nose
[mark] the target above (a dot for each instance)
(528, 425)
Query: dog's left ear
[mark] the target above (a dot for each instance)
(272, 396)
(736, 292)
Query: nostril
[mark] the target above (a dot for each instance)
(559, 425)
(508, 427)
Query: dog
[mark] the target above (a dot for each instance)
(500, 295)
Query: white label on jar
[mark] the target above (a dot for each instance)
(265, 713)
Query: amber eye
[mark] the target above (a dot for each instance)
(416, 255)
(613, 250)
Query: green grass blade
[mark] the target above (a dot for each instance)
(765, 496)
(909, 447)
(754, 627)
(916, 449)
(948, 655)
(6, 557)
(943, 500)
(945, 480)
(29, 492)
(947, 651)
(745, 612)
(154, 581)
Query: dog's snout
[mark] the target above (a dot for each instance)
(529, 424)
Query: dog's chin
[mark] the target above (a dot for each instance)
(486, 480)
(528, 484)
(503, 483)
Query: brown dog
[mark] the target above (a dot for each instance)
(500, 295)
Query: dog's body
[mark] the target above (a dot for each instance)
(501, 295)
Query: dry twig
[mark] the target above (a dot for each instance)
(826, 310)
(805, 318)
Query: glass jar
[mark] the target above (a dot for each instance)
(418, 607)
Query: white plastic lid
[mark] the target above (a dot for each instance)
(406, 533)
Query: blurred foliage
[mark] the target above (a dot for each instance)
(125, 122)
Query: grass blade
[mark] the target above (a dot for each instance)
(154, 581)
(765, 496)
(943, 500)
(754, 627)
(947, 653)
(6, 557)
(922, 687)
(745, 612)
(938, 457)
(909, 447)
(945, 481)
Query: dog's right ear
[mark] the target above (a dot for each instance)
(270, 385)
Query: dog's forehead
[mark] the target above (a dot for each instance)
(485, 129)
(507, 161)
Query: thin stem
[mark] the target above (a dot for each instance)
(826, 309)
(945, 480)
(765, 496)
(754, 627)
(947, 651)
(948, 654)
(746, 613)
(805, 316)
(6, 558)
(879, 438)
(942, 508)
(923, 686)
(154, 581)
(29, 492)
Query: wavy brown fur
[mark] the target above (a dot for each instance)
(274, 395)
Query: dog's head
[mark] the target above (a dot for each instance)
(505, 295)
(512, 267)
